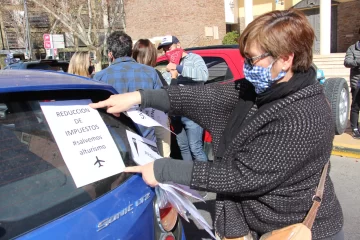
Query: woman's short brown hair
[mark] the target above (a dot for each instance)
(144, 52)
(281, 33)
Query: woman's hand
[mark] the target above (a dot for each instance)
(147, 172)
(118, 103)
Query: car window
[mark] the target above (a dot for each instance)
(218, 69)
(35, 184)
(161, 66)
(55, 66)
(13, 66)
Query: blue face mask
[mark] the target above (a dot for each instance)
(260, 77)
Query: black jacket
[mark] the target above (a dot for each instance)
(352, 60)
(268, 175)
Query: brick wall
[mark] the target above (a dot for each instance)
(348, 25)
(185, 19)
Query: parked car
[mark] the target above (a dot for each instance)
(44, 64)
(38, 196)
(225, 64)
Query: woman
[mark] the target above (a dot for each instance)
(272, 134)
(80, 64)
(145, 52)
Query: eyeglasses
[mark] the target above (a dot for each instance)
(251, 60)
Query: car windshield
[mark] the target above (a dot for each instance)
(35, 184)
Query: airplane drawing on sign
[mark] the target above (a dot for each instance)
(98, 161)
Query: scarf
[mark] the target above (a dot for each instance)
(264, 101)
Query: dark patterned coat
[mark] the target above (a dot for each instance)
(267, 177)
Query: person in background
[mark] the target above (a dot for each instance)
(190, 69)
(125, 74)
(80, 64)
(144, 52)
(272, 132)
(352, 61)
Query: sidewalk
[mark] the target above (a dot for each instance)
(346, 146)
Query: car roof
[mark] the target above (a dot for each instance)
(43, 61)
(37, 80)
(234, 46)
(206, 49)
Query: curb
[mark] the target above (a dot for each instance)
(344, 150)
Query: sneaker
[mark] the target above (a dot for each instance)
(356, 134)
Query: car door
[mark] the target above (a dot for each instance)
(224, 65)
(38, 196)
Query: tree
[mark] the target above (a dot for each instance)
(231, 38)
(14, 24)
(89, 20)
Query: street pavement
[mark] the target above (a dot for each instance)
(346, 146)
(345, 173)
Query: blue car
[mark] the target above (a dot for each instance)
(38, 196)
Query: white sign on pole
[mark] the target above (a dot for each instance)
(58, 41)
(84, 140)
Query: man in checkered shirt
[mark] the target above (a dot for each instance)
(125, 74)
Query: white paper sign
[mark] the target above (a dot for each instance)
(84, 140)
(143, 150)
(149, 117)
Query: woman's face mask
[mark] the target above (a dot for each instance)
(260, 77)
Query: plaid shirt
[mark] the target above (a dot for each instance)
(126, 75)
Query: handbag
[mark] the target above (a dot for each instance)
(298, 231)
(301, 231)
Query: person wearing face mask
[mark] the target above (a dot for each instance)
(272, 135)
(352, 61)
(125, 74)
(185, 69)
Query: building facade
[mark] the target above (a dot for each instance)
(194, 22)
(336, 23)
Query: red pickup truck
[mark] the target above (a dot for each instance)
(225, 64)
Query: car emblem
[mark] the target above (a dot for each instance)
(106, 222)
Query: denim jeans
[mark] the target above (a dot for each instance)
(189, 140)
(355, 107)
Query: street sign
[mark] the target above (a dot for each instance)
(46, 37)
(54, 41)
(47, 45)
(47, 41)
(58, 40)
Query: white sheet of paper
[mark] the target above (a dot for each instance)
(186, 190)
(85, 143)
(149, 117)
(185, 203)
(141, 150)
